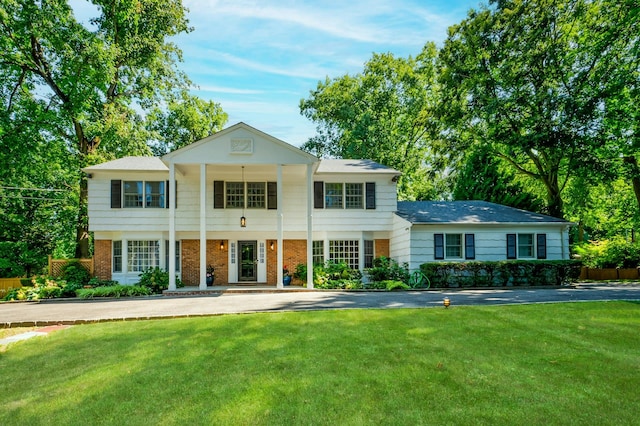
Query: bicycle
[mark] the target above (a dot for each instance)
(419, 280)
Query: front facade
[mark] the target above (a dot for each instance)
(249, 206)
(232, 201)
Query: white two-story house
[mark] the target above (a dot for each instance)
(251, 206)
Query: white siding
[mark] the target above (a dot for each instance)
(490, 240)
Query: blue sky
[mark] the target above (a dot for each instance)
(258, 58)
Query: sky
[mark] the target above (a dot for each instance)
(259, 58)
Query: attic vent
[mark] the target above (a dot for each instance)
(242, 146)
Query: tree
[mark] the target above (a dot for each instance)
(484, 177)
(529, 80)
(87, 83)
(383, 114)
(184, 121)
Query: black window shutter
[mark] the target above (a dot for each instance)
(272, 195)
(218, 194)
(511, 246)
(167, 192)
(438, 240)
(371, 195)
(116, 194)
(318, 195)
(469, 246)
(542, 246)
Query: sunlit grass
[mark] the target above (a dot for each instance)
(539, 364)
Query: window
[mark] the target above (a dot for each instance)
(256, 195)
(144, 194)
(345, 251)
(354, 196)
(142, 255)
(318, 252)
(368, 253)
(117, 256)
(449, 246)
(453, 247)
(154, 194)
(333, 195)
(133, 194)
(235, 195)
(525, 245)
(166, 255)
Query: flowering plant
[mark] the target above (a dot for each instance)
(210, 271)
(285, 271)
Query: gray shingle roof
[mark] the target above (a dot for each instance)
(469, 212)
(353, 166)
(131, 164)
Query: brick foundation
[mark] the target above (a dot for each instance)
(102, 259)
(215, 257)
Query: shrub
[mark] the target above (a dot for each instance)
(385, 269)
(331, 275)
(97, 282)
(74, 272)
(114, 291)
(616, 252)
(41, 287)
(501, 274)
(156, 280)
(395, 285)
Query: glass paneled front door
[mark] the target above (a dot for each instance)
(247, 261)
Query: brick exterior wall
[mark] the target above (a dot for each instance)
(102, 259)
(190, 262)
(219, 260)
(381, 248)
(295, 252)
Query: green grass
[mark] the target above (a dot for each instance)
(575, 363)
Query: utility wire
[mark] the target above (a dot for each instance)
(33, 189)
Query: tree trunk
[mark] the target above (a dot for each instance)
(635, 175)
(82, 222)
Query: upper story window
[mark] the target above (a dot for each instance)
(144, 194)
(250, 195)
(338, 195)
(139, 194)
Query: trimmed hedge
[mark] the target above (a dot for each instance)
(512, 273)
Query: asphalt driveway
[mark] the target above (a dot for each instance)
(72, 311)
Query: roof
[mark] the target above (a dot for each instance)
(354, 166)
(469, 212)
(146, 164)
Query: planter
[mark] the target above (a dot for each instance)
(209, 280)
(286, 280)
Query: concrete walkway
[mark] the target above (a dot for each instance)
(73, 311)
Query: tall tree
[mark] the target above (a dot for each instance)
(184, 121)
(383, 114)
(90, 80)
(528, 78)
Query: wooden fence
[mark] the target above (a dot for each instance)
(597, 274)
(55, 265)
(8, 283)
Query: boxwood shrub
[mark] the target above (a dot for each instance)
(510, 273)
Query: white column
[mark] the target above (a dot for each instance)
(309, 225)
(203, 227)
(280, 228)
(172, 226)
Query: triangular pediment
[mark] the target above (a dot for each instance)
(240, 144)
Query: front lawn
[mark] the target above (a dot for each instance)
(574, 363)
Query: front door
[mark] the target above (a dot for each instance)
(248, 261)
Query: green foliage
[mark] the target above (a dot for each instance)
(74, 272)
(43, 287)
(501, 274)
(97, 282)
(156, 280)
(395, 285)
(385, 269)
(384, 113)
(114, 291)
(17, 259)
(484, 176)
(331, 275)
(616, 252)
